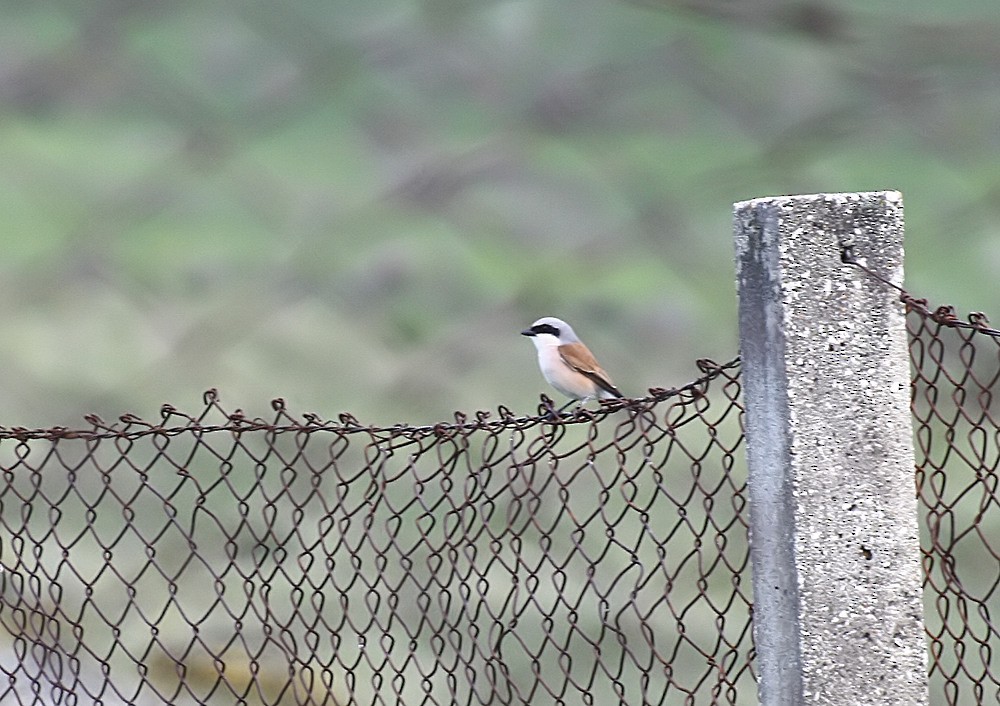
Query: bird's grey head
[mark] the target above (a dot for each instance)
(551, 326)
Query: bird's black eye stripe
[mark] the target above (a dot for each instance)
(546, 328)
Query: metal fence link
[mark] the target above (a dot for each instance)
(589, 557)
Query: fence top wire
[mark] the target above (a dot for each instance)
(174, 422)
(945, 314)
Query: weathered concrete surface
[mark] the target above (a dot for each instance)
(837, 578)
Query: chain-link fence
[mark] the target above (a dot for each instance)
(957, 439)
(576, 557)
(589, 557)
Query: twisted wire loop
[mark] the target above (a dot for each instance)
(569, 557)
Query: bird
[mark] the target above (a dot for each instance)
(567, 364)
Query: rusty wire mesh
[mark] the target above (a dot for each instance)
(957, 442)
(580, 558)
(593, 557)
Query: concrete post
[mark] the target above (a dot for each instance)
(838, 617)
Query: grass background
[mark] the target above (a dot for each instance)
(356, 206)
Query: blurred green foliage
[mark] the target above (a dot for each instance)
(358, 205)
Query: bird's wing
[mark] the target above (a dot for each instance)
(578, 357)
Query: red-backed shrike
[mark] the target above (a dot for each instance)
(567, 364)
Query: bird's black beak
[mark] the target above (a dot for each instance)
(527, 332)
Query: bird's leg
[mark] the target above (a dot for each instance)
(563, 410)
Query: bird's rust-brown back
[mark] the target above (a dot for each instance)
(578, 357)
